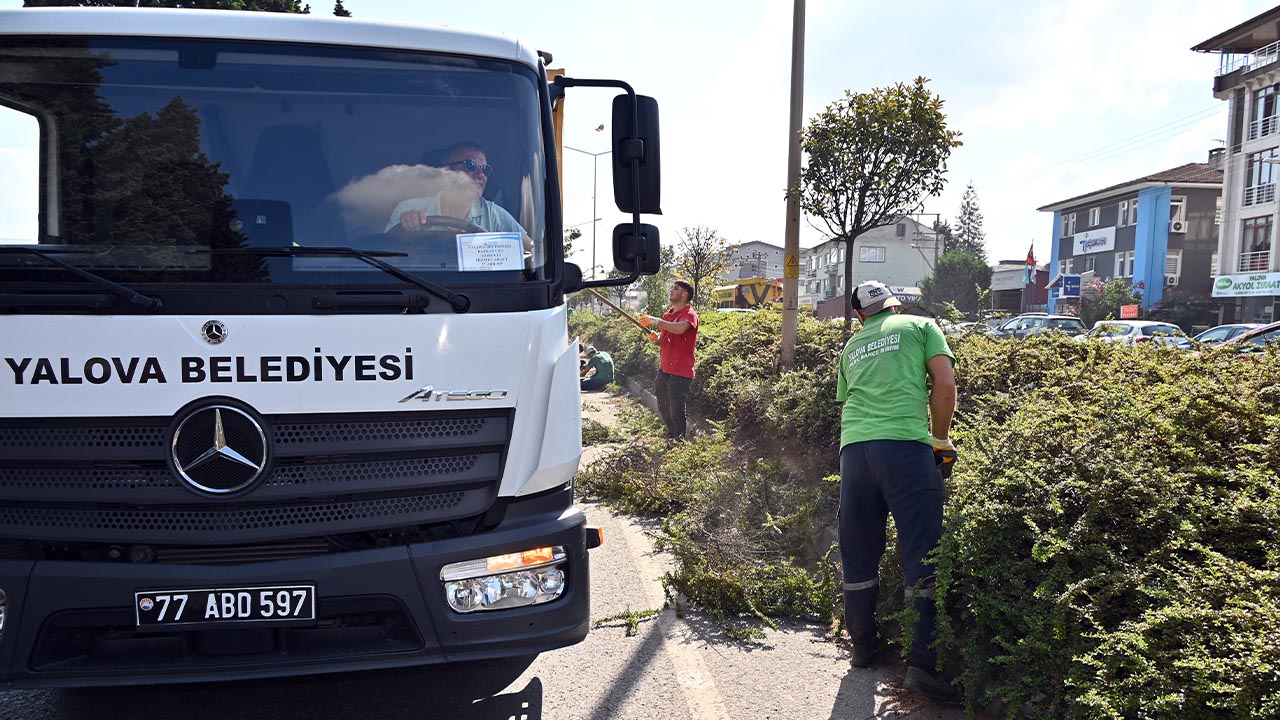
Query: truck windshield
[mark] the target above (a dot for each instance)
(150, 156)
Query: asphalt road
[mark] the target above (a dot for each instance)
(672, 668)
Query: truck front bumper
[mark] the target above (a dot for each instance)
(70, 624)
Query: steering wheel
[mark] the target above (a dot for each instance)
(439, 224)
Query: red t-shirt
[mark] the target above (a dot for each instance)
(676, 351)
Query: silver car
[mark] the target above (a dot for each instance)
(1137, 332)
(1223, 333)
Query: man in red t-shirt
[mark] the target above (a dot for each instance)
(679, 326)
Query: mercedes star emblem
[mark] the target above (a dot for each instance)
(214, 331)
(219, 449)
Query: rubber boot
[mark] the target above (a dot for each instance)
(860, 618)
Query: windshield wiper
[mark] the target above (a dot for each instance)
(460, 303)
(152, 304)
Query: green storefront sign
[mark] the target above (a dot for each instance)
(1247, 285)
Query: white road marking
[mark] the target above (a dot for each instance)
(695, 682)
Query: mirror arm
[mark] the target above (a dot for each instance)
(633, 157)
(610, 282)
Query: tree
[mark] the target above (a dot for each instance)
(619, 292)
(341, 11)
(1185, 309)
(655, 286)
(280, 6)
(961, 278)
(701, 256)
(872, 158)
(569, 236)
(943, 230)
(1106, 303)
(968, 233)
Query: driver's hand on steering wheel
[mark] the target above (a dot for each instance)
(413, 220)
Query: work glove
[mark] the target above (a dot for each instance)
(648, 320)
(944, 455)
(654, 337)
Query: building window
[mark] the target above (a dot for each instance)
(1133, 212)
(1178, 209)
(1255, 244)
(1124, 264)
(1088, 263)
(1095, 216)
(871, 254)
(1122, 217)
(1264, 112)
(1173, 263)
(1213, 265)
(1260, 178)
(1217, 210)
(1064, 267)
(902, 229)
(1071, 224)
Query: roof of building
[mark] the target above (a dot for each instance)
(1189, 174)
(771, 246)
(1248, 36)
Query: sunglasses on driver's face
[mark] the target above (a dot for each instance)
(471, 166)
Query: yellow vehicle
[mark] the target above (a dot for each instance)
(748, 293)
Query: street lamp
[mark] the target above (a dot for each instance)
(594, 175)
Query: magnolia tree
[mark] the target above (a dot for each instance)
(873, 157)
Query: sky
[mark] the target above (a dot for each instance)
(1052, 99)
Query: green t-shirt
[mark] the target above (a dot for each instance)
(603, 365)
(882, 376)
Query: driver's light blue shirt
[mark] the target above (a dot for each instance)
(485, 214)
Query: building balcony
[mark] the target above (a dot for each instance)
(1264, 127)
(1255, 262)
(1231, 62)
(1259, 194)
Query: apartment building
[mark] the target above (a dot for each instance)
(1247, 282)
(754, 259)
(898, 255)
(1156, 231)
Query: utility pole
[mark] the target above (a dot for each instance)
(791, 250)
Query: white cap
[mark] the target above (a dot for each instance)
(872, 297)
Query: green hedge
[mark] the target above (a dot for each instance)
(1109, 549)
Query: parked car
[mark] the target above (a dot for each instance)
(1039, 323)
(1137, 332)
(1256, 338)
(1223, 333)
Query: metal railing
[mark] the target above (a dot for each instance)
(1264, 127)
(1230, 62)
(1255, 261)
(1259, 194)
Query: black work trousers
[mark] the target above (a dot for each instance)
(672, 392)
(879, 477)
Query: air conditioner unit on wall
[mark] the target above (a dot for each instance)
(1170, 279)
(1178, 226)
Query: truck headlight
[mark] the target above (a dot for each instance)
(499, 582)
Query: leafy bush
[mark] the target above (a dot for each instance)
(1109, 548)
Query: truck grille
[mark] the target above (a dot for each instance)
(71, 480)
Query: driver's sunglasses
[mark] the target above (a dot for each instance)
(471, 166)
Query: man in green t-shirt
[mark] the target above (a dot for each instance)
(893, 432)
(602, 364)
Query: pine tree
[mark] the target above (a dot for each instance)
(968, 233)
(341, 11)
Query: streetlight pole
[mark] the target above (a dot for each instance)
(594, 176)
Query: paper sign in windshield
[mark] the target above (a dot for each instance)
(478, 252)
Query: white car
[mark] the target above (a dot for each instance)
(1137, 332)
(1223, 333)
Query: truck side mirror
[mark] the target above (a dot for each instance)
(633, 254)
(632, 194)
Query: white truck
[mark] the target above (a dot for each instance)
(285, 380)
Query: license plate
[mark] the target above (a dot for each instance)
(217, 606)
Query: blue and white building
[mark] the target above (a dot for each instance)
(1157, 232)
